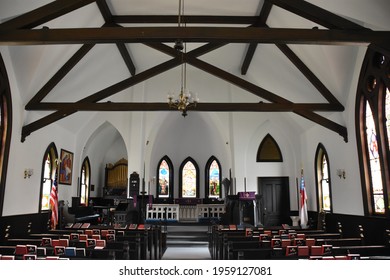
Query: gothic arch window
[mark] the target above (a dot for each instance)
(164, 178)
(49, 169)
(5, 128)
(213, 178)
(372, 129)
(324, 193)
(85, 182)
(189, 179)
(269, 150)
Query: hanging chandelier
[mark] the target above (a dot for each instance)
(185, 99)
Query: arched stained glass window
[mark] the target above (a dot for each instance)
(189, 179)
(213, 178)
(373, 118)
(5, 128)
(49, 169)
(323, 180)
(165, 178)
(374, 163)
(85, 182)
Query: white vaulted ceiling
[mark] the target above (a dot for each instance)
(103, 66)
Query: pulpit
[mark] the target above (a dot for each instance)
(247, 207)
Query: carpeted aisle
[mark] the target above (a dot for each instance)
(187, 253)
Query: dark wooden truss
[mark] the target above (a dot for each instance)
(336, 31)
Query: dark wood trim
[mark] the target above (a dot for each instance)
(44, 14)
(125, 53)
(100, 35)
(104, 10)
(161, 106)
(331, 125)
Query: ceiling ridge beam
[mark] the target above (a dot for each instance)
(98, 96)
(193, 34)
(262, 19)
(316, 14)
(59, 75)
(44, 14)
(310, 76)
(203, 106)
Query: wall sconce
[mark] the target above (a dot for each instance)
(28, 173)
(341, 173)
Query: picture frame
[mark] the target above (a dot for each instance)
(66, 168)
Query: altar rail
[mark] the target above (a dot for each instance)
(184, 213)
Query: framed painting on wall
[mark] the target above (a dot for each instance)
(66, 167)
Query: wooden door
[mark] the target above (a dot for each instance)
(274, 200)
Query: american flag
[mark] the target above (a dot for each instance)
(54, 203)
(303, 198)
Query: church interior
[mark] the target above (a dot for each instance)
(193, 129)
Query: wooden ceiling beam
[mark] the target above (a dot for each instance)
(123, 50)
(193, 34)
(264, 14)
(44, 14)
(161, 106)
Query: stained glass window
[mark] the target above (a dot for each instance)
(46, 188)
(189, 180)
(374, 162)
(48, 174)
(373, 126)
(325, 184)
(214, 179)
(163, 179)
(387, 109)
(84, 184)
(323, 179)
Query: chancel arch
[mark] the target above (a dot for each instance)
(104, 146)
